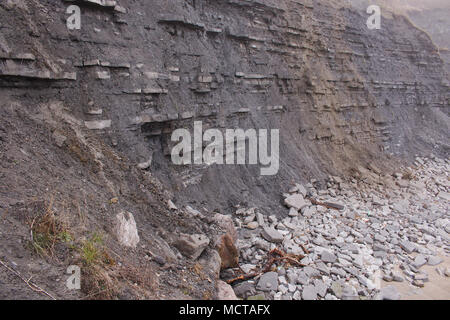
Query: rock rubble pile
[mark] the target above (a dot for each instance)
(355, 236)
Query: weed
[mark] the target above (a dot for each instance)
(92, 250)
(65, 236)
(98, 281)
(46, 231)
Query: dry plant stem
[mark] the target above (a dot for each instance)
(282, 257)
(304, 249)
(317, 203)
(28, 282)
(31, 229)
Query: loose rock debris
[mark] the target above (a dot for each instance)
(351, 239)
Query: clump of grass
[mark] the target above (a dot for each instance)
(94, 252)
(96, 281)
(46, 231)
(65, 236)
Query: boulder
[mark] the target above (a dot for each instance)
(191, 245)
(268, 282)
(211, 262)
(272, 235)
(126, 229)
(295, 201)
(226, 224)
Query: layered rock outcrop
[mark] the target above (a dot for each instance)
(342, 96)
(340, 93)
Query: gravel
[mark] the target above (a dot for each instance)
(354, 242)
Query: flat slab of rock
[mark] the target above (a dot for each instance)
(301, 189)
(252, 225)
(434, 261)
(272, 235)
(407, 246)
(389, 293)
(293, 212)
(268, 282)
(336, 288)
(321, 288)
(327, 257)
(295, 201)
(309, 293)
(419, 261)
(98, 125)
(260, 218)
(191, 245)
(401, 207)
(245, 289)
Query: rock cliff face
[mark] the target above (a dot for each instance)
(342, 95)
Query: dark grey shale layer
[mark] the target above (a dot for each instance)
(341, 94)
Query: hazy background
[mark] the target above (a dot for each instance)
(405, 5)
(432, 16)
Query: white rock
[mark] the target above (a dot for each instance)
(98, 125)
(126, 229)
(295, 201)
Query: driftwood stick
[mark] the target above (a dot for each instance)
(28, 282)
(281, 257)
(318, 203)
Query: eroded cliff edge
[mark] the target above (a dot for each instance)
(342, 95)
